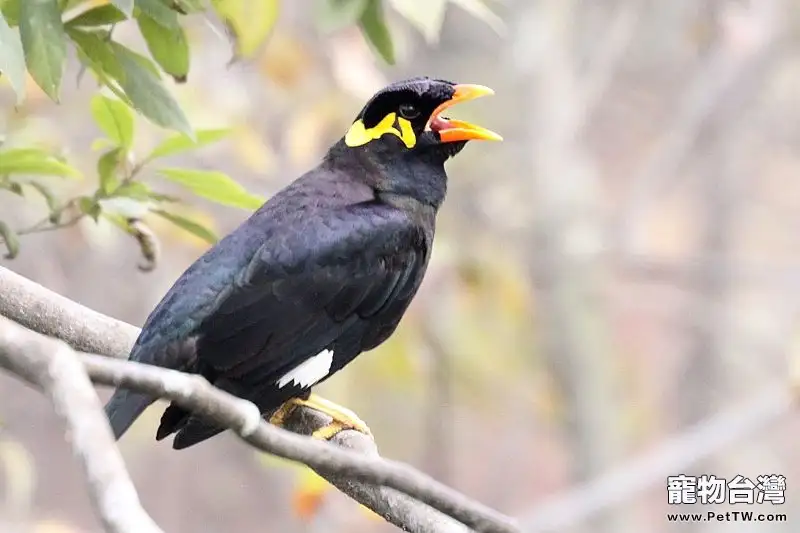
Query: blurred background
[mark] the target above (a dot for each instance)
(613, 295)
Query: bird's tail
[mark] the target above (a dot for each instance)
(124, 408)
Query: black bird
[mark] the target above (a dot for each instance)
(320, 273)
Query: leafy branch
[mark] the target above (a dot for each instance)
(122, 197)
(35, 37)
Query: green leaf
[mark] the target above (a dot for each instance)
(47, 194)
(425, 15)
(101, 54)
(249, 22)
(213, 185)
(11, 239)
(118, 220)
(99, 144)
(96, 47)
(12, 59)
(107, 166)
(97, 16)
(67, 5)
(113, 86)
(186, 7)
(126, 6)
(89, 206)
(373, 27)
(114, 118)
(140, 191)
(334, 15)
(44, 43)
(189, 225)
(168, 46)
(179, 142)
(158, 11)
(35, 162)
(148, 94)
(164, 198)
(9, 9)
(143, 61)
(135, 190)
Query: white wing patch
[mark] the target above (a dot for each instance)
(309, 371)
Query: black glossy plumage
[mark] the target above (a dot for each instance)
(330, 262)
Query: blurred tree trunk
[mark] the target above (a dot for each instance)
(566, 243)
(706, 320)
(712, 377)
(439, 415)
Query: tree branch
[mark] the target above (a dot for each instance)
(365, 477)
(53, 367)
(35, 307)
(677, 454)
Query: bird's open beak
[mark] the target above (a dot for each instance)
(451, 130)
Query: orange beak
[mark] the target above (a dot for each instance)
(457, 130)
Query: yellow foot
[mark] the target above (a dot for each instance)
(343, 418)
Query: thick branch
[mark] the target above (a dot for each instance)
(40, 309)
(53, 367)
(395, 507)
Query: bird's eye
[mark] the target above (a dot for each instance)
(408, 111)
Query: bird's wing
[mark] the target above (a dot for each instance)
(309, 301)
(273, 294)
(308, 286)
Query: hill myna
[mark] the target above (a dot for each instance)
(320, 273)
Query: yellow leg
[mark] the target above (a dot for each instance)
(343, 418)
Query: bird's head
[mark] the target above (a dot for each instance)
(406, 117)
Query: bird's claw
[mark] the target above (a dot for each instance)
(282, 414)
(331, 430)
(342, 417)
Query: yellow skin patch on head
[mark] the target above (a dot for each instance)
(358, 135)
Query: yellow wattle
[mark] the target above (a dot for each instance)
(358, 135)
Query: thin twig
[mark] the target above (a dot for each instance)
(42, 225)
(46, 224)
(52, 227)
